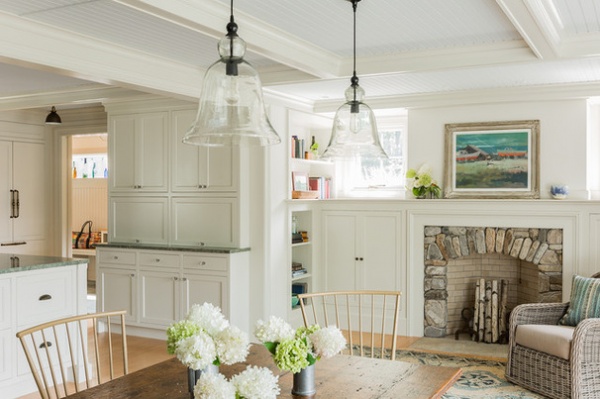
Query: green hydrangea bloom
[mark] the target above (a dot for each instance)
(178, 331)
(292, 355)
(411, 173)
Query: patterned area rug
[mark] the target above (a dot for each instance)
(480, 379)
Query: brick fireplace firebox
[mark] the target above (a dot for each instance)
(456, 256)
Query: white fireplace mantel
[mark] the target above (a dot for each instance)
(579, 220)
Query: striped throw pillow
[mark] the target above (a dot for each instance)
(585, 300)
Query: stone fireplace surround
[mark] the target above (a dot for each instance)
(444, 245)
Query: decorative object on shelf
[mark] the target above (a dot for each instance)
(53, 118)
(354, 134)
(559, 191)
(492, 160)
(231, 110)
(252, 383)
(314, 148)
(298, 350)
(205, 338)
(422, 184)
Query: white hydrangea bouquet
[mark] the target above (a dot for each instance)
(421, 183)
(252, 383)
(205, 337)
(294, 350)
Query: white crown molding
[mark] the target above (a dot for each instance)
(488, 96)
(211, 17)
(81, 95)
(45, 48)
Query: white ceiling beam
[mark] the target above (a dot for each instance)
(210, 17)
(499, 53)
(41, 47)
(522, 14)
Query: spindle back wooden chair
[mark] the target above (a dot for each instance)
(368, 319)
(70, 355)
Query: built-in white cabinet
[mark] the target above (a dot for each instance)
(159, 286)
(138, 219)
(138, 145)
(361, 250)
(162, 191)
(23, 210)
(29, 298)
(197, 168)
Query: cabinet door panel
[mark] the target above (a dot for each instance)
(153, 152)
(200, 289)
(117, 291)
(29, 179)
(159, 298)
(122, 150)
(187, 161)
(6, 232)
(197, 168)
(380, 254)
(5, 304)
(141, 219)
(340, 249)
(205, 221)
(7, 343)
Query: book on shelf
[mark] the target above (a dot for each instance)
(300, 272)
(296, 266)
(298, 147)
(299, 288)
(321, 185)
(304, 235)
(297, 238)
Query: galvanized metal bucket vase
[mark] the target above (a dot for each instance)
(194, 376)
(304, 382)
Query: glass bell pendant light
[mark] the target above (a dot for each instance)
(354, 134)
(231, 110)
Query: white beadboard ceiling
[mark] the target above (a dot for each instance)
(67, 52)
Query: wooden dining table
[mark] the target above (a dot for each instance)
(341, 376)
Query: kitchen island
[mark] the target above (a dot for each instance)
(33, 290)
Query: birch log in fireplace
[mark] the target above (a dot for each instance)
(489, 320)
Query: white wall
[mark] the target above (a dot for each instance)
(563, 137)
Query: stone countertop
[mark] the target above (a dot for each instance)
(10, 263)
(167, 247)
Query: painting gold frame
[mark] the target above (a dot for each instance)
(492, 160)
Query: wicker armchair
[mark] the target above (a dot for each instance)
(577, 377)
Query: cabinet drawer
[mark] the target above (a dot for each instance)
(199, 262)
(45, 296)
(159, 259)
(116, 257)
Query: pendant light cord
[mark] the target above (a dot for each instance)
(231, 37)
(354, 79)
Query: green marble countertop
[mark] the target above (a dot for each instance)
(10, 263)
(167, 247)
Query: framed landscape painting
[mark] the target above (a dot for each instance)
(492, 160)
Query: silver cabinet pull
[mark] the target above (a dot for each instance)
(115, 257)
(6, 244)
(184, 279)
(45, 297)
(46, 344)
(157, 260)
(175, 278)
